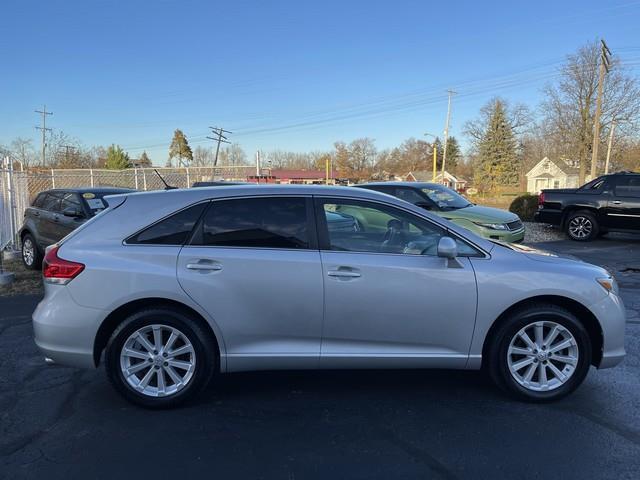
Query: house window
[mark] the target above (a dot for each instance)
(546, 166)
(556, 184)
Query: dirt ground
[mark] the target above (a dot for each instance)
(27, 282)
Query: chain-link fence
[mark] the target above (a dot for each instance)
(19, 188)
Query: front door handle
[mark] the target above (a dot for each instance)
(616, 202)
(343, 274)
(204, 266)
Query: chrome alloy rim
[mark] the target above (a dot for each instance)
(157, 360)
(542, 356)
(28, 251)
(580, 227)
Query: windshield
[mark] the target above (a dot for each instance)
(445, 198)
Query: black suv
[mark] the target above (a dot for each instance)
(55, 213)
(608, 203)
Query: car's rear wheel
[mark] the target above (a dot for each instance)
(31, 256)
(582, 226)
(160, 357)
(540, 353)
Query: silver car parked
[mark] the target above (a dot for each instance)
(171, 287)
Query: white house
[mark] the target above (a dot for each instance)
(552, 174)
(450, 180)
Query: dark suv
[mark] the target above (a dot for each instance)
(608, 203)
(55, 213)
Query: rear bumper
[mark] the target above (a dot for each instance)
(63, 330)
(554, 217)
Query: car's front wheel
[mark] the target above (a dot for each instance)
(31, 256)
(540, 353)
(160, 357)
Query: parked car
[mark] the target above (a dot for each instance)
(607, 204)
(170, 287)
(54, 214)
(488, 222)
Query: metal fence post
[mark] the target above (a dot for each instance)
(53, 179)
(188, 180)
(91, 176)
(135, 173)
(144, 179)
(12, 206)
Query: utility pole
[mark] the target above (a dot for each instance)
(220, 138)
(606, 164)
(604, 68)
(44, 129)
(446, 132)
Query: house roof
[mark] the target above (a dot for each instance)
(427, 176)
(561, 164)
(301, 174)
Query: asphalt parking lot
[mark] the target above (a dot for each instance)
(59, 422)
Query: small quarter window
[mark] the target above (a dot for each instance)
(173, 230)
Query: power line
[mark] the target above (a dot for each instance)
(221, 138)
(44, 129)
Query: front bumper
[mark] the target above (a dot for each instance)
(612, 316)
(509, 236)
(65, 331)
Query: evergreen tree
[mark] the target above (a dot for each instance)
(117, 159)
(144, 161)
(454, 155)
(180, 148)
(497, 151)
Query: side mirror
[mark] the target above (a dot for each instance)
(425, 205)
(448, 249)
(72, 212)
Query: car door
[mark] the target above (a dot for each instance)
(623, 207)
(48, 218)
(253, 264)
(389, 300)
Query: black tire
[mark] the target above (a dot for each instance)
(34, 260)
(497, 361)
(581, 226)
(206, 358)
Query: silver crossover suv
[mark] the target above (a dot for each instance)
(174, 286)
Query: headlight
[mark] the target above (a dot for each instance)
(493, 226)
(609, 284)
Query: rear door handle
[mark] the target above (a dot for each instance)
(343, 274)
(204, 266)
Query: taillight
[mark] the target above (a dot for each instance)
(541, 199)
(58, 270)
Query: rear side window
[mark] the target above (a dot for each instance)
(52, 201)
(628, 186)
(278, 222)
(39, 200)
(173, 230)
(70, 200)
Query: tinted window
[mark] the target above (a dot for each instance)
(409, 195)
(52, 201)
(628, 186)
(173, 230)
(256, 222)
(70, 200)
(38, 202)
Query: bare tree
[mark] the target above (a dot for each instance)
(569, 107)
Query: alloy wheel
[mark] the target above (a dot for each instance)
(542, 356)
(580, 227)
(157, 360)
(28, 251)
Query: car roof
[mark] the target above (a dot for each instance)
(400, 184)
(110, 190)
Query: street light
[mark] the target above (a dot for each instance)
(435, 154)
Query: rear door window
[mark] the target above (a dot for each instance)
(70, 200)
(51, 202)
(271, 222)
(172, 230)
(39, 201)
(628, 187)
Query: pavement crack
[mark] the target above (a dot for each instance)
(418, 454)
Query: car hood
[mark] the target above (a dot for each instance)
(544, 255)
(476, 213)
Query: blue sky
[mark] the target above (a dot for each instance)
(293, 75)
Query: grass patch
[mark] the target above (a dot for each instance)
(27, 282)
